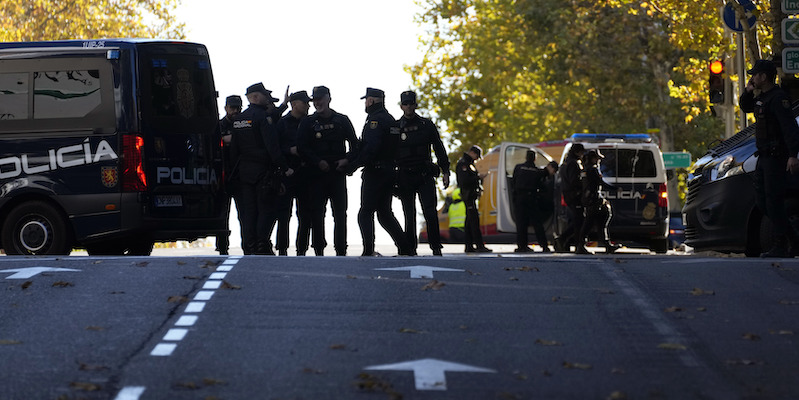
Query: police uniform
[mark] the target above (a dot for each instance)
(469, 182)
(596, 209)
(777, 139)
(571, 190)
(296, 185)
(417, 173)
(255, 151)
(323, 138)
(226, 130)
(379, 141)
(527, 183)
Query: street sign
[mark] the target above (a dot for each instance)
(429, 373)
(25, 273)
(790, 30)
(677, 160)
(732, 23)
(790, 60)
(420, 271)
(790, 6)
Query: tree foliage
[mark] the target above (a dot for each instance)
(534, 70)
(32, 20)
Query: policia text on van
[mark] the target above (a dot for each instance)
(109, 145)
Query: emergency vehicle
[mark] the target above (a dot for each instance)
(110, 145)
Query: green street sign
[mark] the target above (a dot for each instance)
(790, 6)
(677, 160)
(790, 60)
(790, 30)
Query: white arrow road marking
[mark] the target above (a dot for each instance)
(25, 273)
(429, 372)
(420, 271)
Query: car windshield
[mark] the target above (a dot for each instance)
(628, 163)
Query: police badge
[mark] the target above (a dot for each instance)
(109, 176)
(318, 135)
(403, 136)
(372, 124)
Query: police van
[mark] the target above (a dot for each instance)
(635, 184)
(109, 145)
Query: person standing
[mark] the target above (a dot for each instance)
(379, 141)
(296, 187)
(470, 181)
(527, 182)
(456, 211)
(777, 141)
(596, 208)
(321, 141)
(255, 149)
(232, 108)
(571, 190)
(416, 172)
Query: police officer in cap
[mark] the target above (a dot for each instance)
(322, 140)
(596, 208)
(777, 141)
(379, 141)
(296, 187)
(259, 164)
(571, 190)
(417, 173)
(232, 108)
(527, 183)
(469, 181)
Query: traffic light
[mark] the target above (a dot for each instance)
(716, 84)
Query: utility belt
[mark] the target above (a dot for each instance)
(382, 165)
(424, 170)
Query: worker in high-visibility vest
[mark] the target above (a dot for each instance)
(457, 218)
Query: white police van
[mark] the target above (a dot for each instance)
(635, 184)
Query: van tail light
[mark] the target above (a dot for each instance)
(663, 196)
(133, 178)
(562, 201)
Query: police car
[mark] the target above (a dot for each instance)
(635, 184)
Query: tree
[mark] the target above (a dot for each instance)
(32, 20)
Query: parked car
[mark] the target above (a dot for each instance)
(676, 230)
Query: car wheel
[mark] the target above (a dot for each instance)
(36, 228)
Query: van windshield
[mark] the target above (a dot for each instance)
(628, 163)
(178, 92)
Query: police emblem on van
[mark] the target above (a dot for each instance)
(109, 176)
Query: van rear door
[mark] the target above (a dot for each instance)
(634, 185)
(512, 154)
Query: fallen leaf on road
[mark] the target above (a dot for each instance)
(338, 346)
(226, 285)
(26, 285)
(213, 382)
(210, 264)
(672, 346)
(472, 273)
(701, 309)
(313, 371)
(85, 386)
(63, 284)
(751, 336)
(409, 330)
(195, 278)
(434, 284)
(90, 367)
(619, 261)
(618, 371)
(181, 263)
(673, 309)
(98, 262)
(780, 332)
(351, 277)
(8, 341)
(513, 278)
(520, 375)
(140, 264)
(177, 299)
(606, 291)
(544, 342)
(95, 328)
(581, 366)
(187, 385)
(700, 292)
(375, 384)
(617, 396)
(744, 362)
(787, 302)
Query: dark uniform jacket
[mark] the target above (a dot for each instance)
(528, 179)
(571, 187)
(467, 176)
(417, 135)
(776, 132)
(226, 128)
(320, 138)
(592, 186)
(379, 139)
(287, 132)
(255, 146)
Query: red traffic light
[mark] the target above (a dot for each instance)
(717, 66)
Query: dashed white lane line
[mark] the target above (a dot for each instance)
(175, 334)
(163, 349)
(130, 393)
(195, 307)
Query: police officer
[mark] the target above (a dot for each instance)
(469, 181)
(379, 141)
(596, 208)
(296, 187)
(232, 108)
(527, 183)
(321, 140)
(777, 141)
(417, 173)
(571, 190)
(255, 151)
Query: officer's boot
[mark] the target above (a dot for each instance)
(779, 250)
(793, 236)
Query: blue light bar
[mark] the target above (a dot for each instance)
(612, 137)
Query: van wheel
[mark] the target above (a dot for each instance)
(660, 246)
(36, 228)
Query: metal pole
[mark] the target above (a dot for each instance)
(740, 59)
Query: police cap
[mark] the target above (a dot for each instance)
(320, 92)
(408, 97)
(259, 87)
(233, 101)
(477, 150)
(301, 95)
(764, 66)
(372, 92)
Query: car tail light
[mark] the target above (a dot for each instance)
(663, 196)
(562, 201)
(133, 178)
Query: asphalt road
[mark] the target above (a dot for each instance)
(500, 326)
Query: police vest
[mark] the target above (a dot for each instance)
(457, 214)
(414, 144)
(329, 136)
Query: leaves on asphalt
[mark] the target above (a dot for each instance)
(433, 285)
(409, 330)
(672, 346)
(544, 342)
(751, 336)
(780, 332)
(744, 362)
(26, 285)
(523, 269)
(63, 284)
(372, 383)
(606, 291)
(181, 262)
(140, 264)
(85, 386)
(338, 346)
(513, 278)
(582, 366)
(177, 299)
(673, 309)
(617, 395)
(95, 328)
(191, 385)
(92, 367)
(313, 371)
(787, 302)
(9, 341)
(229, 286)
(194, 278)
(702, 292)
(210, 264)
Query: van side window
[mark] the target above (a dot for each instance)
(14, 96)
(65, 94)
